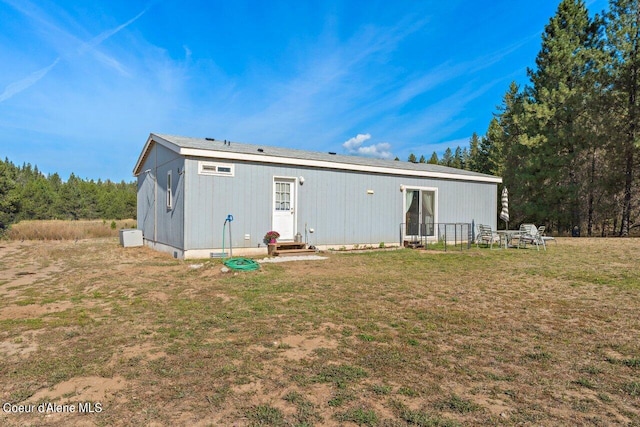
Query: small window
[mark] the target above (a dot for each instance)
(283, 196)
(211, 168)
(169, 191)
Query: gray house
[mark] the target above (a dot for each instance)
(188, 186)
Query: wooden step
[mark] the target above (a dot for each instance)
(294, 252)
(290, 245)
(292, 248)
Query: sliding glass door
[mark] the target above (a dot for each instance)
(420, 207)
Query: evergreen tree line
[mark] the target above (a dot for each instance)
(567, 143)
(460, 158)
(27, 194)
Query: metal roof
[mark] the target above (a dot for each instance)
(214, 148)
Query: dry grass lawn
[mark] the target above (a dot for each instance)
(389, 338)
(67, 230)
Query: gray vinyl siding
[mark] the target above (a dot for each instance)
(334, 203)
(158, 223)
(247, 196)
(146, 204)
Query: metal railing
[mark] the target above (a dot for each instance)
(437, 236)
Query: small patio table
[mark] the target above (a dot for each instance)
(507, 236)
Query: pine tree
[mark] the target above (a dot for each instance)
(465, 158)
(447, 158)
(557, 102)
(70, 200)
(9, 203)
(457, 158)
(623, 44)
(482, 161)
(433, 160)
(514, 161)
(412, 158)
(474, 143)
(37, 199)
(422, 159)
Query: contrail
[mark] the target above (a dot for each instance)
(23, 84)
(96, 41)
(105, 35)
(28, 81)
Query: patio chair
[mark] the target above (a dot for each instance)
(486, 236)
(529, 234)
(541, 231)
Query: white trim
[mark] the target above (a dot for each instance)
(147, 146)
(206, 253)
(294, 191)
(169, 193)
(201, 253)
(196, 152)
(163, 247)
(261, 158)
(213, 168)
(404, 205)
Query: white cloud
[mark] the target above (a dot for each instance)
(354, 143)
(381, 150)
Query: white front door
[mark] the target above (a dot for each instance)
(284, 190)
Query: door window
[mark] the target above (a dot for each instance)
(283, 196)
(419, 212)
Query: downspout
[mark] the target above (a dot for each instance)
(183, 176)
(155, 200)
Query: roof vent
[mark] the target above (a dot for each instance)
(210, 139)
(260, 150)
(332, 153)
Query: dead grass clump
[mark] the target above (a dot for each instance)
(67, 230)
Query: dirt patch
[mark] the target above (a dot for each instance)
(146, 351)
(225, 298)
(33, 310)
(17, 348)
(159, 296)
(298, 347)
(81, 389)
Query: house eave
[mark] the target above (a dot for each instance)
(291, 161)
(147, 148)
(321, 164)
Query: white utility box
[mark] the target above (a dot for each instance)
(130, 237)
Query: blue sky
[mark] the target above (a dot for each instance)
(84, 83)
